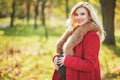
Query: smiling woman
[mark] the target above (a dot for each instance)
(81, 16)
(79, 45)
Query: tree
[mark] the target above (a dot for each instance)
(108, 11)
(86, 0)
(13, 14)
(36, 13)
(28, 10)
(67, 8)
(43, 17)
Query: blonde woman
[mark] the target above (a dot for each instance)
(79, 45)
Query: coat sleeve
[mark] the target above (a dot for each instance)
(91, 50)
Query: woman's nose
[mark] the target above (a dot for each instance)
(79, 17)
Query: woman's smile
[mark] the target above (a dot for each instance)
(81, 16)
(79, 20)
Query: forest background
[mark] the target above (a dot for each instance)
(29, 30)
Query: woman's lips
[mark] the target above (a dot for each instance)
(80, 20)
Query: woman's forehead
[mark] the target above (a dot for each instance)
(81, 9)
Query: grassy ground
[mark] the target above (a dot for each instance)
(25, 54)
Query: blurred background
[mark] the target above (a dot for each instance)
(29, 30)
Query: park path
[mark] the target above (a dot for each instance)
(4, 25)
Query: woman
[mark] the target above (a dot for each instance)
(80, 45)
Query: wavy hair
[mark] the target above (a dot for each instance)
(71, 24)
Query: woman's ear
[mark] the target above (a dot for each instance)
(90, 16)
(89, 20)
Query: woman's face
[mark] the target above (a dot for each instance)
(81, 16)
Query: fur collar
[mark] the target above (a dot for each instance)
(72, 38)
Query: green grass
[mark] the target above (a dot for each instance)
(25, 53)
(110, 60)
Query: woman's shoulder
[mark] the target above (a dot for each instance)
(91, 37)
(91, 34)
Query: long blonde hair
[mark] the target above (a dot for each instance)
(92, 14)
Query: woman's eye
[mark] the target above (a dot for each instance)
(82, 13)
(76, 15)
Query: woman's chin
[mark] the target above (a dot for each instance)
(80, 24)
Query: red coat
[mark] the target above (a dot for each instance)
(87, 68)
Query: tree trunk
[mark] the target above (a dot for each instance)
(28, 11)
(36, 14)
(67, 8)
(86, 0)
(13, 14)
(108, 11)
(43, 17)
